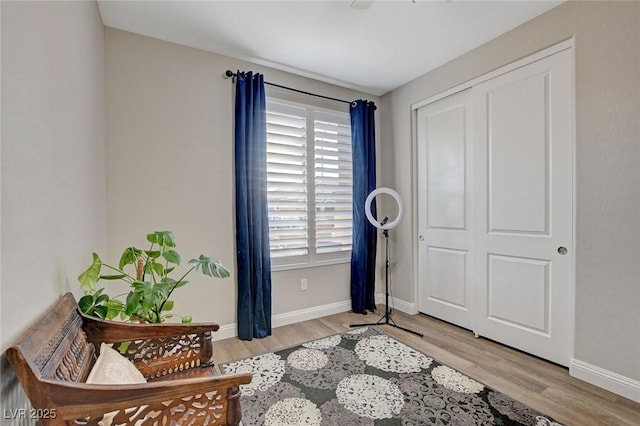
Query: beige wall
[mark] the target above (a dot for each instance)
(53, 185)
(170, 166)
(607, 72)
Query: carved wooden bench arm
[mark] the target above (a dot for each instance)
(113, 331)
(90, 402)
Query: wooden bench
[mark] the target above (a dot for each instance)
(53, 358)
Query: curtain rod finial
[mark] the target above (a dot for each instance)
(229, 74)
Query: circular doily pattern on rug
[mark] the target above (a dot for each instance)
(255, 406)
(307, 359)
(454, 380)
(293, 412)
(370, 396)
(342, 363)
(388, 354)
(266, 369)
(326, 343)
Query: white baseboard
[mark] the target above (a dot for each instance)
(310, 313)
(226, 331)
(399, 304)
(613, 382)
(231, 330)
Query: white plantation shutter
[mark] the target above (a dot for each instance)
(309, 184)
(333, 183)
(287, 180)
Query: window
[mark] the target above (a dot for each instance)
(309, 184)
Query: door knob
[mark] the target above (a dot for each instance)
(562, 250)
(421, 238)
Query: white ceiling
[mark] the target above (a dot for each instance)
(374, 50)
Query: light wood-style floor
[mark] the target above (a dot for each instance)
(542, 385)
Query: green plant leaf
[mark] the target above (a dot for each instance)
(162, 238)
(171, 256)
(113, 277)
(114, 308)
(101, 299)
(153, 254)
(154, 268)
(168, 305)
(147, 302)
(90, 277)
(210, 266)
(151, 295)
(100, 311)
(181, 283)
(130, 255)
(123, 347)
(166, 284)
(158, 268)
(142, 315)
(133, 302)
(94, 304)
(159, 293)
(140, 286)
(86, 303)
(186, 319)
(153, 238)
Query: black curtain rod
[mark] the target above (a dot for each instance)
(231, 74)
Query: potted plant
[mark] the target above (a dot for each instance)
(150, 286)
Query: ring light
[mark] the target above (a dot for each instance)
(385, 226)
(373, 220)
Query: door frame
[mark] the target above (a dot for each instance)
(563, 45)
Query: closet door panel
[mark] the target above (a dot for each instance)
(445, 238)
(522, 244)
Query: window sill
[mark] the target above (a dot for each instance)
(309, 265)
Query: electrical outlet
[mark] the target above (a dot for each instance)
(303, 284)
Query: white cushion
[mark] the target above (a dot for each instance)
(111, 368)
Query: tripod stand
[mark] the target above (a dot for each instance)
(386, 319)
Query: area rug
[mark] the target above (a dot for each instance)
(364, 378)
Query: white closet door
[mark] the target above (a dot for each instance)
(445, 239)
(522, 171)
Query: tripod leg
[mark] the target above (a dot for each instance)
(407, 330)
(362, 325)
(392, 323)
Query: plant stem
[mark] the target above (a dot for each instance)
(119, 295)
(121, 271)
(145, 318)
(146, 262)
